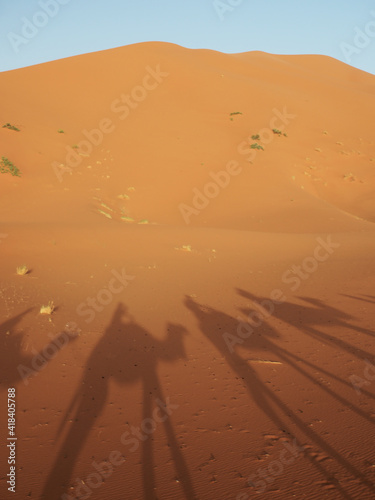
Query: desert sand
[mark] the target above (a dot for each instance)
(213, 327)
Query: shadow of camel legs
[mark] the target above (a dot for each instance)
(127, 354)
(265, 399)
(183, 474)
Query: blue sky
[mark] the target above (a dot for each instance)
(30, 35)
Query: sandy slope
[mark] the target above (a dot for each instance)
(285, 238)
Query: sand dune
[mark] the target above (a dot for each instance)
(204, 225)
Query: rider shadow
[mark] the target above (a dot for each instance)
(127, 354)
(309, 318)
(11, 355)
(215, 325)
(16, 365)
(11, 351)
(314, 315)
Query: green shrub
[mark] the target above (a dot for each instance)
(276, 131)
(255, 137)
(236, 113)
(7, 166)
(257, 146)
(61, 131)
(11, 127)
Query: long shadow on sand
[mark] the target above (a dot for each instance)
(126, 353)
(214, 324)
(11, 355)
(16, 365)
(363, 298)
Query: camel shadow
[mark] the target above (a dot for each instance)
(127, 354)
(11, 355)
(315, 314)
(17, 366)
(228, 335)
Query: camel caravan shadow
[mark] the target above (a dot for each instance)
(126, 354)
(222, 330)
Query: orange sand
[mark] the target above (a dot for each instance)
(175, 328)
